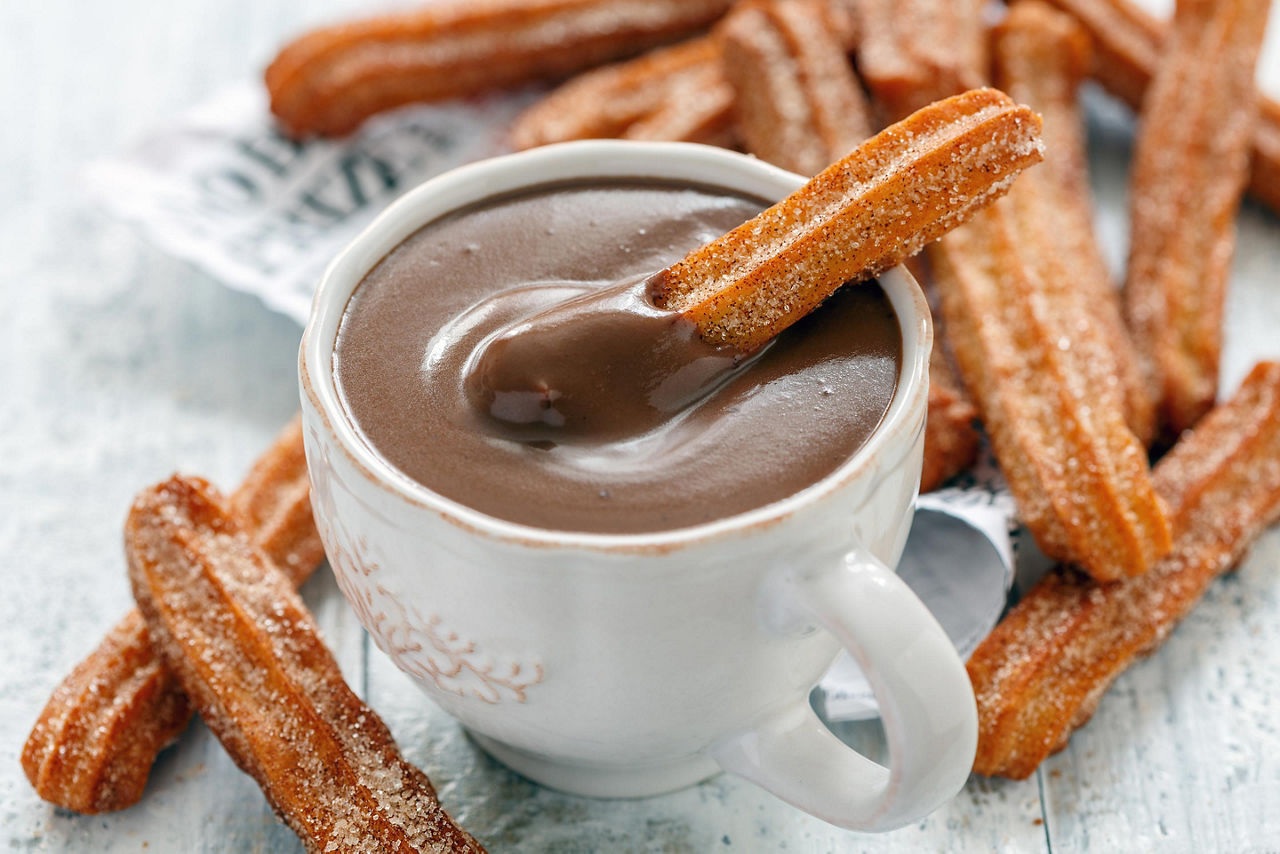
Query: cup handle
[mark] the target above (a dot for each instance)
(926, 704)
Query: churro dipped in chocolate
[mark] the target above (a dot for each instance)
(230, 626)
(914, 52)
(1040, 56)
(724, 301)
(799, 104)
(1189, 170)
(332, 79)
(1040, 674)
(1127, 44)
(94, 744)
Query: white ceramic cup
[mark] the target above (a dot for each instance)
(628, 665)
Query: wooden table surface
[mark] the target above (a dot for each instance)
(119, 364)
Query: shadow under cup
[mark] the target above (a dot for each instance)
(627, 665)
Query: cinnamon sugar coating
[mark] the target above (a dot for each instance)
(1189, 170)
(1040, 674)
(231, 627)
(799, 104)
(330, 80)
(92, 748)
(1040, 56)
(1127, 43)
(876, 207)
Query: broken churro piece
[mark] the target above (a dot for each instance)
(950, 439)
(1028, 349)
(1127, 43)
(331, 80)
(799, 104)
(1189, 170)
(1041, 673)
(239, 639)
(914, 52)
(1040, 57)
(879, 205)
(96, 739)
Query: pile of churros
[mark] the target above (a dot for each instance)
(1074, 379)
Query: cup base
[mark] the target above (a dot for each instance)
(601, 781)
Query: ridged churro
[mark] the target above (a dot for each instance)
(230, 626)
(950, 439)
(1028, 349)
(1040, 674)
(332, 79)
(96, 739)
(1040, 56)
(1127, 44)
(1189, 170)
(914, 52)
(799, 104)
(879, 205)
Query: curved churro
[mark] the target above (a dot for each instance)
(237, 636)
(331, 80)
(1127, 43)
(1040, 56)
(92, 748)
(799, 105)
(1189, 170)
(1041, 673)
(914, 52)
(898, 191)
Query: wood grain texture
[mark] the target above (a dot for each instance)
(119, 365)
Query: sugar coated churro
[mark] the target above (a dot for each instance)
(914, 52)
(879, 205)
(332, 79)
(1127, 44)
(230, 626)
(1040, 674)
(96, 739)
(1040, 56)
(950, 439)
(799, 104)
(1189, 169)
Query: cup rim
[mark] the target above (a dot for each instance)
(585, 160)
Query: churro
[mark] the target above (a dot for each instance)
(799, 104)
(604, 102)
(1189, 169)
(1027, 349)
(698, 107)
(332, 79)
(950, 439)
(1040, 674)
(1040, 56)
(231, 627)
(914, 52)
(96, 739)
(1127, 44)
(879, 205)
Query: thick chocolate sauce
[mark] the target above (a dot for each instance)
(442, 361)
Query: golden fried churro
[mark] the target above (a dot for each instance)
(331, 80)
(1028, 351)
(914, 52)
(799, 104)
(896, 192)
(1040, 674)
(1040, 56)
(950, 439)
(604, 102)
(238, 637)
(96, 739)
(1189, 169)
(1127, 43)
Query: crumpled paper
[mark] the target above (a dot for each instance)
(221, 188)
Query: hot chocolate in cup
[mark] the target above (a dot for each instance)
(627, 661)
